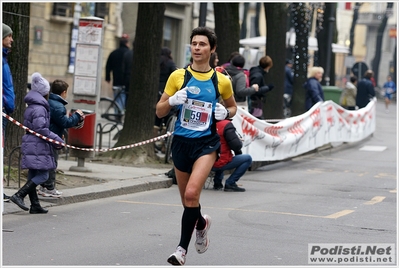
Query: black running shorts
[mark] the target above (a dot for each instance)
(185, 151)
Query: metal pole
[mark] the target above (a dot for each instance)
(331, 21)
(202, 15)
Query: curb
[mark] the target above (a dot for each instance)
(109, 189)
(98, 191)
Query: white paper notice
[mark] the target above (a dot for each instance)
(86, 60)
(84, 85)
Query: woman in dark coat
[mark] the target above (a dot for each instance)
(37, 155)
(314, 91)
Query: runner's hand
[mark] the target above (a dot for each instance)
(220, 112)
(180, 97)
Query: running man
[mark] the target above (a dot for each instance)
(196, 143)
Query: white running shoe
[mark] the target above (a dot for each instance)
(202, 242)
(49, 193)
(40, 190)
(179, 257)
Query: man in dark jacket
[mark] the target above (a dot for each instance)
(288, 83)
(257, 76)
(240, 162)
(365, 90)
(240, 81)
(114, 65)
(127, 66)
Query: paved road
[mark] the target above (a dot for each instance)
(344, 195)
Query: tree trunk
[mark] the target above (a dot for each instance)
(257, 16)
(227, 29)
(276, 19)
(243, 32)
(16, 15)
(302, 24)
(140, 108)
(352, 30)
(375, 63)
(326, 58)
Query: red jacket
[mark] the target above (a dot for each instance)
(229, 142)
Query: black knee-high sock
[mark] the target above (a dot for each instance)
(201, 221)
(188, 221)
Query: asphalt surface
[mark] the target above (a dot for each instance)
(343, 194)
(120, 180)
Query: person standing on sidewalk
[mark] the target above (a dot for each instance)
(59, 121)
(166, 67)
(114, 65)
(257, 76)
(241, 87)
(37, 155)
(365, 90)
(195, 142)
(288, 87)
(8, 104)
(314, 91)
(240, 162)
(348, 95)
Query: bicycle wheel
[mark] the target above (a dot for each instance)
(170, 127)
(110, 110)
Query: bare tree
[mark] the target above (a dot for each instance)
(16, 15)
(140, 108)
(375, 63)
(276, 20)
(352, 29)
(227, 29)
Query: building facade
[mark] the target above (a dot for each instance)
(51, 34)
(365, 36)
(51, 38)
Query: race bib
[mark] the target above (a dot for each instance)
(196, 115)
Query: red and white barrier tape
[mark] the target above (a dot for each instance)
(85, 149)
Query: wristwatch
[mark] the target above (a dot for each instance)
(228, 114)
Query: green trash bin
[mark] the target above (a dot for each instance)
(332, 93)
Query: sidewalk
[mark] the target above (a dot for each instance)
(119, 180)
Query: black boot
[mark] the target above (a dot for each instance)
(35, 207)
(18, 197)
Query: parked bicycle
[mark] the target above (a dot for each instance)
(170, 127)
(165, 144)
(111, 109)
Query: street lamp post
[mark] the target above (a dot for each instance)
(331, 21)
